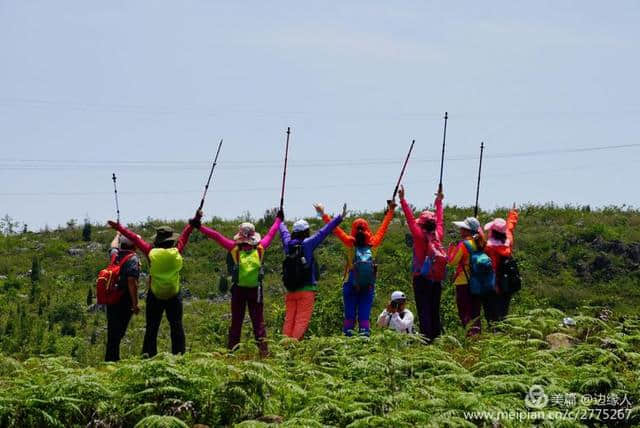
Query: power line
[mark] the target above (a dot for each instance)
(58, 164)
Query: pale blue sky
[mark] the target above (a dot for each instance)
(86, 84)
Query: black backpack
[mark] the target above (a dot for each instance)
(509, 276)
(296, 271)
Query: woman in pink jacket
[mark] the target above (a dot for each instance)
(429, 263)
(246, 252)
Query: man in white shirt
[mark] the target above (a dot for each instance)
(396, 316)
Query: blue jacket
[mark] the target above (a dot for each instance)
(310, 243)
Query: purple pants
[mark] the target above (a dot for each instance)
(427, 294)
(468, 309)
(241, 297)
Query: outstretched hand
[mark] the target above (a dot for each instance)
(439, 194)
(344, 210)
(319, 208)
(112, 223)
(391, 204)
(401, 192)
(280, 214)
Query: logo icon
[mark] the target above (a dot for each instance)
(536, 398)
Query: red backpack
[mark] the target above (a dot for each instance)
(107, 291)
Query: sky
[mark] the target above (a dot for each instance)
(146, 89)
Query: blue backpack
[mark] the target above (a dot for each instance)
(482, 279)
(364, 269)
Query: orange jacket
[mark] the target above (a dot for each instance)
(349, 241)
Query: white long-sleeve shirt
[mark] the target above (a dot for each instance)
(402, 324)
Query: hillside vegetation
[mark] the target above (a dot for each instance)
(574, 261)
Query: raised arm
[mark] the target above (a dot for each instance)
(184, 238)
(222, 240)
(325, 231)
(266, 240)
(439, 216)
(346, 239)
(285, 236)
(382, 230)
(512, 221)
(140, 243)
(415, 230)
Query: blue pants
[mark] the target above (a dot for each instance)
(357, 305)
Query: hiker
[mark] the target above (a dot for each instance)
(300, 272)
(122, 252)
(429, 263)
(396, 316)
(246, 254)
(358, 289)
(459, 255)
(499, 247)
(165, 263)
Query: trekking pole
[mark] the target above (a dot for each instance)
(444, 142)
(475, 212)
(115, 191)
(206, 187)
(395, 191)
(284, 174)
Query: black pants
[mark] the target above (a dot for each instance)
(118, 317)
(427, 294)
(496, 306)
(155, 309)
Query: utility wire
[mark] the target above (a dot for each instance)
(57, 164)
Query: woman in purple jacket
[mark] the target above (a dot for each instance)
(300, 273)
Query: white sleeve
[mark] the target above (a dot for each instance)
(404, 324)
(383, 319)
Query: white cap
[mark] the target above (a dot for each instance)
(398, 295)
(300, 226)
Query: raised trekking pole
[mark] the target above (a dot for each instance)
(444, 142)
(284, 174)
(475, 212)
(206, 187)
(404, 167)
(115, 190)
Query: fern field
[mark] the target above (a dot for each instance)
(52, 343)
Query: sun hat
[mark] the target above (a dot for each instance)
(426, 217)
(470, 223)
(497, 225)
(300, 226)
(164, 235)
(247, 234)
(398, 295)
(124, 241)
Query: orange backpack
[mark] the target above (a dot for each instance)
(107, 291)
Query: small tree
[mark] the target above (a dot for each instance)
(35, 269)
(8, 225)
(25, 229)
(86, 231)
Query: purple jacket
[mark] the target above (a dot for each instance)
(310, 243)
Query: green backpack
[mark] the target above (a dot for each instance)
(165, 266)
(246, 266)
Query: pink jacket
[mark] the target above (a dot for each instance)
(423, 246)
(228, 244)
(146, 247)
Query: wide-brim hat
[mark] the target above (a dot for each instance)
(426, 217)
(247, 234)
(497, 225)
(165, 234)
(470, 223)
